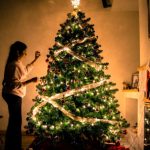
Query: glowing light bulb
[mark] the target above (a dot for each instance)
(114, 117)
(107, 137)
(92, 93)
(105, 117)
(84, 106)
(75, 3)
(39, 123)
(34, 118)
(52, 127)
(44, 126)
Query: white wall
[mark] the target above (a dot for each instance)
(36, 23)
(144, 39)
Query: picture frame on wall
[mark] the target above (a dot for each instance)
(135, 80)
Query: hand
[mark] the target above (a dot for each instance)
(37, 54)
(34, 79)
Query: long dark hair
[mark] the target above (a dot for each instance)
(15, 52)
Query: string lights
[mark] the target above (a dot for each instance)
(81, 58)
(69, 93)
(62, 95)
(75, 93)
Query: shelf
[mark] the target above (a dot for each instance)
(131, 90)
(147, 102)
(131, 93)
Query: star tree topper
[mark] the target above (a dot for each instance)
(75, 3)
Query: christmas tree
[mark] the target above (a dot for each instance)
(75, 98)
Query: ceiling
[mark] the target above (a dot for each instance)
(58, 5)
(117, 5)
(128, 5)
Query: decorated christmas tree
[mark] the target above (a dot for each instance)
(76, 99)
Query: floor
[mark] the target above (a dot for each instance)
(26, 141)
(129, 141)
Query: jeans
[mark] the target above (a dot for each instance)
(13, 138)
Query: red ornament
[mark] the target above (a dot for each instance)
(48, 56)
(43, 90)
(49, 66)
(68, 87)
(117, 143)
(47, 60)
(113, 147)
(124, 131)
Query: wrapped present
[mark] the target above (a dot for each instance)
(114, 147)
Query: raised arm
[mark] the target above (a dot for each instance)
(29, 66)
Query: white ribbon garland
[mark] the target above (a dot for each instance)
(78, 118)
(52, 99)
(90, 63)
(68, 50)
